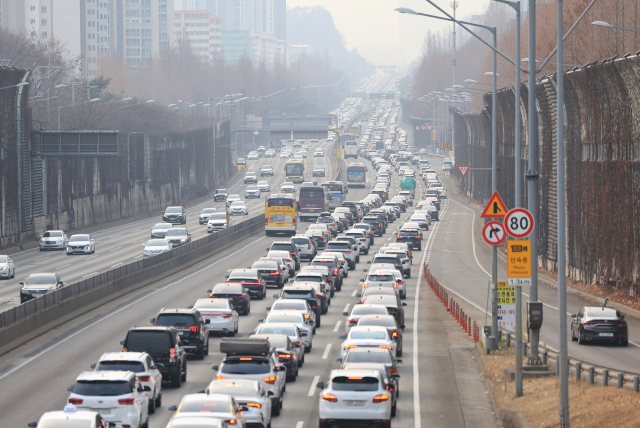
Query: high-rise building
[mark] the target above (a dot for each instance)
(192, 27)
(259, 16)
(267, 49)
(215, 36)
(190, 4)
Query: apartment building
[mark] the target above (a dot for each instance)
(193, 27)
(215, 36)
(267, 49)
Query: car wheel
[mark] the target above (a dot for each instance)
(307, 350)
(373, 241)
(419, 248)
(318, 322)
(206, 351)
(159, 400)
(183, 377)
(146, 422)
(393, 410)
(152, 405)
(176, 380)
(247, 309)
(580, 338)
(275, 410)
(399, 352)
(366, 252)
(235, 331)
(624, 343)
(573, 336)
(409, 273)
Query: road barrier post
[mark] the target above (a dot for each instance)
(578, 370)
(592, 375)
(469, 327)
(524, 349)
(620, 380)
(508, 340)
(544, 358)
(636, 383)
(605, 377)
(557, 365)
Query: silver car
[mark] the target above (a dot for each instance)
(81, 244)
(239, 208)
(287, 187)
(232, 198)
(305, 325)
(53, 240)
(159, 230)
(205, 214)
(305, 246)
(153, 247)
(264, 186)
(252, 192)
(7, 269)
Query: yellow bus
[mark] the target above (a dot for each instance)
(294, 170)
(280, 214)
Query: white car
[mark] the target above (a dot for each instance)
(205, 214)
(248, 393)
(264, 186)
(367, 337)
(285, 155)
(318, 154)
(81, 244)
(399, 278)
(239, 208)
(294, 305)
(286, 257)
(118, 396)
(159, 230)
(68, 417)
(219, 315)
(305, 246)
(217, 222)
(287, 187)
(222, 406)
(252, 192)
(288, 329)
(153, 247)
(197, 421)
(7, 269)
(253, 156)
(53, 240)
(266, 170)
(232, 198)
(305, 325)
(142, 365)
(362, 239)
(250, 177)
(358, 395)
(364, 309)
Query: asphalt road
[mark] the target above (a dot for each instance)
(120, 244)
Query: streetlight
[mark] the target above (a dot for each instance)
(555, 63)
(76, 104)
(606, 24)
(482, 83)
(17, 85)
(137, 104)
(490, 73)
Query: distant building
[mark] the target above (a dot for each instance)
(193, 26)
(259, 16)
(215, 36)
(294, 51)
(267, 49)
(236, 44)
(190, 4)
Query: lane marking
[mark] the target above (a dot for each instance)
(37, 260)
(335, 329)
(117, 248)
(326, 351)
(117, 264)
(354, 293)
(314, 382)
(92, 257)
(137, 257)
(117, 311)
(85, 276)
(135, 242)
(300, 424)
(346, 308)
(63, 266)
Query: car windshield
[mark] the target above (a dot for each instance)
(354, 383)
(161, 226)
(233, 388)
(173, 210)
(52, 235)
(101, 388)
(65, 423)
(283, 306)
(261, 183)
(123, 366)
(205, 406)
(250, 174)
(286, 183)
(4, 259)
(157, 243)
(178, 320)
(379, 321)
(252, 188)
(41, 280)
(318, 168)
(245, 367)
(292, 318)
(221, 191)
(231, 288)
(79, 238)
(176, 232)
(390, 260)
(368, 310)
(367, 335)
(368, 357)
(209, 210)
(279, 329)
(212, 304)
(218, 216)
(309, 278)
(150, 341)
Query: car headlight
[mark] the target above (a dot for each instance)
(183, 240)
(3, 267)
(42, 240)
(59, 241)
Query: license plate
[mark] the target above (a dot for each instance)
(354, 403)
(102, 411)
(605, 334)
(180, 333)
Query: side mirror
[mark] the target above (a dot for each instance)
(207, 321)
(32, 424)
(395, 377)
(209, 291)
(70, 388)
(202, 391)
(404, 304)
(311, 322)
(146, 389)
(267, 249)
(573, 315)
(215, 368)
(365, 270)
(93, 366)
(227, 276)
(268, 308)
(282, 368)
(21, 283)
(339, 360)
(275, 296)
(369, 262)
(244, 408)
(362, 280)
(270, 394)
(142, 245)
(173, 408)
(398, 361)
(122, 342)
(152, 320)
(320, 385)
(402, 326)
(342, 336)
(346, 314)
(190, 307)
(260, 321)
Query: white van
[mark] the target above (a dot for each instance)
(447, 165)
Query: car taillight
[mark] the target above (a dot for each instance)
(296, 343)
(144, 378)
(275, 273)
(365, 285)
(231, 421)
(406, 260)
(350, 346)
(256, 405)
(379, 225)
(288, 260)
(330, 398)
(284, 355)
(238, 298)
(380, 398)
(172, 352)
(126, 401)
(384, 346)
(307, 316)
(333, 224)
(227, 315)
(394, 334)
(400, 236)
(75, 401)
(221, 378)
(348, 252)
(352, 321)
(589, 323)
(392, 371)
(309, 247)
(400, 282)
(194, 328)
(271, 380)
(319, 294)
(335, 271)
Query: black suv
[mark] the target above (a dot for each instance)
(286, 246)
(220, 195)
(237, 295)
(409, 237)
(356, 211)
(255, 285)
(192, 329)
(376, 223)
(305, 292)
(175, 215)
(164, 346)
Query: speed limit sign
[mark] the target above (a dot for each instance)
(518, 222)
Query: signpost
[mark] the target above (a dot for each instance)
(519, 262)
(506, 306)
(447, 146)
(463, 169)
(519, 223)
(382, 95)
(495, 208)
(493, 233)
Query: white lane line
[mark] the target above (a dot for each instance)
(115, 236)
(326, 351)
(92, 257)
(473, 237)
(117, 248)
(315, 381)
(300, 424)
(135, 242)
(37, 260)
(354, 293)
(346, 308)
(136, 230)
(60, 267)
(85, 276)
(335, 329)
(28, 361)
(137, 257)
(117, 264)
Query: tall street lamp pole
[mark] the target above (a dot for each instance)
(77, 104)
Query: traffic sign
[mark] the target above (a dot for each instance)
(493, 233)
(447, 146)
(429, 127)
(417, 127)
(506, 306)
(519, 260)
(440, 145)
(434, 134)
(495, 208)
(519, 223)
(463, 169)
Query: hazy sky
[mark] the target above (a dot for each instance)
(368, 24)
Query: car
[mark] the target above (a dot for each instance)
(392, 380)
(270, 154)
(379, 279)
(364, 309)
(7, 269)
(307, 184)
(266, 170)
(192, 329)
(290, 355)
(253, 156)
(264, 186)
(117, 395)
(375, 223)
(295, 305)
(251, 280)
(270, 272)
(354, 397)
(160, 229)
(236, 294)
(196, 421)
(80, 244)
(232, 198)
(383, 268)
(142, 365)
(404, 257)
(306, 292)
(329, 221)
(222, 406)
(249, 394)
(284, 267)
(318, 154)
(250, 177)
(318, 171)
(164, 346)
(217, 222)
(305, 325)
(178, 236)
(205, 214)
(361, 237)
(331, 262)
(369, 231)
(241, 161)
(367, 337)
(238, 208)
(285, 155)
(153, 247)
(305, 247)
(53, 240)
(256, 359)
(410, 237)
(321, 274)
(371, 355)
(391, 259)
(288, 187)
(39, 284)
(287, 258)
(392, 303)
(346, 249)
(220, 195)
(252, 192)
(391, 324)
(70, 415)
(175, 215)
(286, 246)
(421, 219)
(599, 324)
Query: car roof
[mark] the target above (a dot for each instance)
(124, 356)
(243, 272)
(111, 375)
(41, 275)
(60, 415)
(354, 373)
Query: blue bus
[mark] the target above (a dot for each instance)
(337, 190)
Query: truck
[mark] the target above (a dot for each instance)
(276, 144)
(408, 183)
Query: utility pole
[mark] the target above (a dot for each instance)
(454, 5)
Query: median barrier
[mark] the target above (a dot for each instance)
(27, 321)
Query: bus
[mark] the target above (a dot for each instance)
(294, 170)
(356, 174)
(337, 191)
(355, 130)
(350, 149)
(312, 201)
(280, 214)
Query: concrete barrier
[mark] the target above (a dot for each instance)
(36, 317)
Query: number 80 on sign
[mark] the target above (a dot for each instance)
(518, 222)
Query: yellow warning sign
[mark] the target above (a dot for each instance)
(519, 258)
(447, 145)
(495, 208)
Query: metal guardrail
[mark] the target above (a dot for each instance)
(39, 304)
